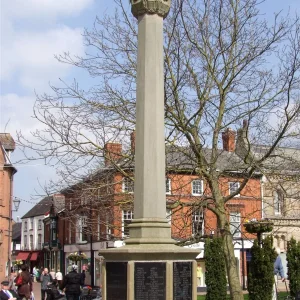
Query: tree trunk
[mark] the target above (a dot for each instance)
(231, 265)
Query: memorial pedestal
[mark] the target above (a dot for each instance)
(142, 272)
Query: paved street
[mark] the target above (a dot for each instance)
(37, 290)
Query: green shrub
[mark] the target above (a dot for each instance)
(215, 273)
(293, 259)
(261, 273)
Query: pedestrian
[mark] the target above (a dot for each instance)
(6, 293)
(45, 279)
(52, 273)
(53, 292)
(83, 277)
(59, 277)
(24, 283)
(71, 283)
(34, 272)
(278, 270)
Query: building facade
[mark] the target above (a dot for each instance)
(7, 171)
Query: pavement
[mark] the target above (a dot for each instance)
(36, 287)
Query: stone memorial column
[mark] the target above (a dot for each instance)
(150, 266)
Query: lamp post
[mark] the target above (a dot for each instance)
(53, 233)
(16, 201)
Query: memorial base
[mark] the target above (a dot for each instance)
(141, 272)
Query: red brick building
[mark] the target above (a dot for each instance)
(99, 209)
(7, 171)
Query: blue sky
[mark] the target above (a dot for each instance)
(32, 32)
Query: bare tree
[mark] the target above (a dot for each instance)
(224, 63)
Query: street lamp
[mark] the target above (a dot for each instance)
(16, 202)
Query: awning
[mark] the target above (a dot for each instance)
(34, 256)
(22, 255)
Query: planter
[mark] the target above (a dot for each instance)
(259, 226)
(75, 257)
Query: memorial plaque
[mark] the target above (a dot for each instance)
(150, 281)
(116, 280)
(182, 280)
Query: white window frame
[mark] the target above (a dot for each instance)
(84, 200)
(235, 223)
(31, 223)
(31, 242)
(25, 226)
(168, 186)
(108, 228)
(277, 206)
(40, 224)
(194, 183)
(232, 188)
(127, 185)
(25, 241)
(197, 217)
(127, 217)
(39, 241)
(82, 225)
(169, 215)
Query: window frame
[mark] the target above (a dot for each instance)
(168, 186)
(201, 187)
(129, 214)
(127, 185)
(230, 184)
(25, 226)
(237, 232)
(25, 241)
(197, 217)
(40, 224)
(169, 215)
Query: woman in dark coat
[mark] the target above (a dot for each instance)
(25, 289)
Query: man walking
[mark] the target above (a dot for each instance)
(45, 279)
(72, 283)
(278, 270)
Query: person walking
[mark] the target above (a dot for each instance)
(59, 277)
(34, 272)
(6, 293)
(45, 279)
(24, 283)
(71, 283)
(278, 270)
(52, 273)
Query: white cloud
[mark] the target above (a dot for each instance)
(43, 8)
(16, 114)
(31, 55)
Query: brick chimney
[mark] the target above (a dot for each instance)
(112, 152)
(132, 140)
(228, 137)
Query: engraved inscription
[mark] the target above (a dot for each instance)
(116, 280)
(149, 281)
(182, 280)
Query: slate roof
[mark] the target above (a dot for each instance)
(7, 141)
(40, 208)
(16, 231)
(282, 160)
